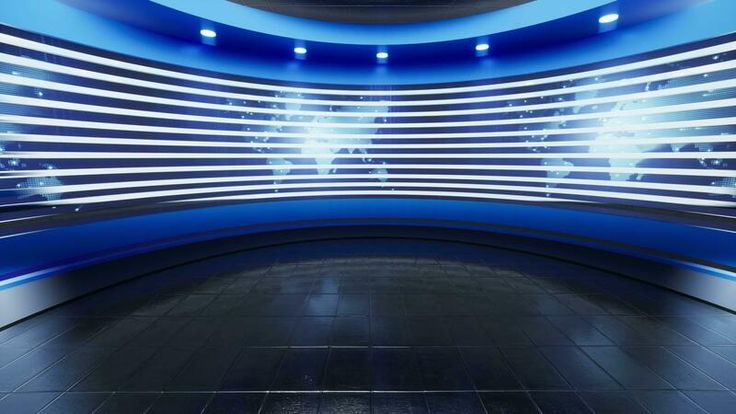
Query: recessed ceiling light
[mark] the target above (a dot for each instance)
(608, 18)
(300, 50)
(482, 47)
(208, 33)
(382, 55)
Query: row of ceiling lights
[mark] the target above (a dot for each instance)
(382, 55)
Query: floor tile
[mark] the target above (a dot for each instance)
(533, 370)
(345, 403)
(667, 402)
(348, 369)
(708, 362)
(694, 331)
(580, 331)
(612, 402)
(126, 403)
(625, 369)
(230, 403)
(78, 403)
(395, 369)
(579, 370)
(204, 371)
(353, 305)
(489, 370)
(68, 371)
(180, 403)
(291, 404)
(560, 403)
(442, 369)
(508, 402)
(714, 402)
(23, 369)
(26, 403)
(158, 371)
(399, 403)
(302, 370)
(675, 371)
(115, 371)
(454, 403)
(321, 305)
(253, 370)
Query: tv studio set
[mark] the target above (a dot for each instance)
(367, 206)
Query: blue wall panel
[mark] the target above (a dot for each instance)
(66, 247)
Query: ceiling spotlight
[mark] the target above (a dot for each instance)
(382, 55)
(300, 50)
(208, 33)
(608, 18)
(482, 47)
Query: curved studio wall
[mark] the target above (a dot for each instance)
(633, 155)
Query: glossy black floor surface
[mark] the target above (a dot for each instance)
(379, 325)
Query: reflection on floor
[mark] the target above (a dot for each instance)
(382, 326)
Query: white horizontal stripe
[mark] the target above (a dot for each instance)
(476, 187)
(657, 93)
(67, 139)
(717, 229)
(636, 112)
(35, 64)
(364, 193)
(8, 236)
(641, 197)
(73, 172)
(24, 218)
(449, 155)
(713, 214)
(61, 189)
(115, 63)
(440, 194)
(32, 275)
(427, 135)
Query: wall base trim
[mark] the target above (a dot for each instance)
(26, 300)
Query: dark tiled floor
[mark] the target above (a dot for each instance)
(374, 326)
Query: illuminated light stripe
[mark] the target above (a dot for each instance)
(446, 155)
(62, 189)
(717, 229)
(8, 236)
(704, 203)
(278, 187)
(712, 214)
(37, 83)
(52, 67)
(68, 139)
(76, 172)
(40, 121)
(24, 218)
(33, 275)
(489, 196)
(659, 110)
(118, 64)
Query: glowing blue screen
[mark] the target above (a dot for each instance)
(83, 129)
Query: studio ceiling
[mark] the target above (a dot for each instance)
(380, 11)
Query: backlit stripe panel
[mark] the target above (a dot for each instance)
(83, 129)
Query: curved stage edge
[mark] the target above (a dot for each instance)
(47, 267)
